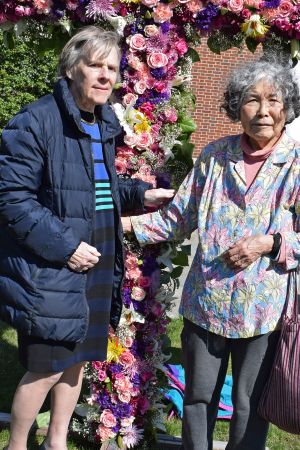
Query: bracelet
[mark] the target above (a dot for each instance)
(276, 245)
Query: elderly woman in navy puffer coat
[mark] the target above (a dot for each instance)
(61, 259)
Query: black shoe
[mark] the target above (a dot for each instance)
(42, 446)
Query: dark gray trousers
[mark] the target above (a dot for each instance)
(205, 360)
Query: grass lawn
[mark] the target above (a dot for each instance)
(11, 372)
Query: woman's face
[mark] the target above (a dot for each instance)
(93, 79)
(262, 115)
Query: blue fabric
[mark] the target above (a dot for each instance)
(47, 208)
(175, 392)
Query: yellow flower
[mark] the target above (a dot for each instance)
(254, 27)
(114, 350)
(142, 127)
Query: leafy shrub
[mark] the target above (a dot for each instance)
(24, 76)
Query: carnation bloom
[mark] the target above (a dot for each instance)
(131, 435)
(254, 27)
(43, 6)
(162, 13)
(105, 433)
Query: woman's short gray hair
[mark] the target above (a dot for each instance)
(246, 76)
(85, 43)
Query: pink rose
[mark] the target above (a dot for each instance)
(285, 8)
(235, 6)
(140, 87)
(181, 46)
(124, 397)
(246, 14)
(130, 140)
(127, 359)
(121, 165)
(144, 140)
(128, 341)
(195, 6)
(149, 3)
(129, 99)
(108, 419)
(138, 293)
(151, 30)
(105, 433)
(156, 60)
(137, 42)
(162, 13)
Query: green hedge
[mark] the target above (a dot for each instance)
(24, 76)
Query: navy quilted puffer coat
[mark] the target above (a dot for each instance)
(47, 205)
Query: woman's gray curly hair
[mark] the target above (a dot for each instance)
(246, 76)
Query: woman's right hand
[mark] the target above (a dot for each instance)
(85, 257)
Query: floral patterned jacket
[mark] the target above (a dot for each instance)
(213, 198)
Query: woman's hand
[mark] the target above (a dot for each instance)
(158, 197)
(85, 257)
(247, 250)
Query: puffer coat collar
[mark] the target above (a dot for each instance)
(110, 126)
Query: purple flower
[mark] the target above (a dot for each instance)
(100, 8)
(165, 26)
(115, 368)
(272, 3)
(206, 16)
(159, 73)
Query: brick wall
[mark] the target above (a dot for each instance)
(209, 78)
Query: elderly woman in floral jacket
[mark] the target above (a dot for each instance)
(243, 197)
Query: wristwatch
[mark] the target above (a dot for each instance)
(276, 245)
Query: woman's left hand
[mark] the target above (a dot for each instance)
(158, 197)
(247, 250)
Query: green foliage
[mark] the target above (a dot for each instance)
(24, 76)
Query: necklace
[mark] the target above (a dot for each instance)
(88, 117)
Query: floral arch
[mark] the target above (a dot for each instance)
(153, 102)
